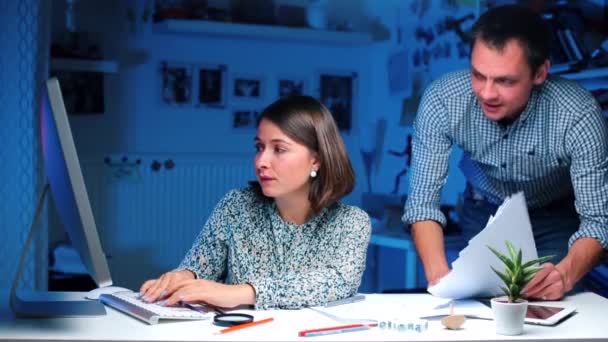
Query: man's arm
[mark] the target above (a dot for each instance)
(431, 150)
(586, 142)
(428, 238)
(584, 254)
(554, 281)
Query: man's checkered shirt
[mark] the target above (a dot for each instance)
(558, 146)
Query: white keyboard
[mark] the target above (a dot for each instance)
(151, 313)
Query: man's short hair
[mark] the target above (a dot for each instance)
(499, 25)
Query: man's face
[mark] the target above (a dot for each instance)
(502, 80)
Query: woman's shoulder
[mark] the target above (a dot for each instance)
(344, 213)
(246, 197)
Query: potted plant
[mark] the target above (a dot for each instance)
(510, 310)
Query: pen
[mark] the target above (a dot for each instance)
(335, 330)
(245, 325)
(353, 299)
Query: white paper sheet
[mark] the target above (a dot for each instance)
(467, 307)
(377, 307)
(471, 275)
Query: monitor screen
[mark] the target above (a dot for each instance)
(66, 183)
(67, 186)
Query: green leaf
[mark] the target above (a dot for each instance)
(511, 249)
(527, 278)
(515, 291)
(538, 261)
(532, 270)
(518, 260)
(510, 275)
(502, 258)
(502, 276)
(516, 274)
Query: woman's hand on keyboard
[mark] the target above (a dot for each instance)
(212, 293)
(159, 289)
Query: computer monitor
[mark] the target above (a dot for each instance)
(67, 186)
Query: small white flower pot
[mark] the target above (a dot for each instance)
(509, 317)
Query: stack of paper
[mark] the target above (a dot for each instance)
(471, 275)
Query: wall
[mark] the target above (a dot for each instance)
(136, 123)
(23, 40)
(403, 18)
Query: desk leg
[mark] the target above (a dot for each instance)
(376, 282)
(410, 268)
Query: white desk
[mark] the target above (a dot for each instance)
(589, 324)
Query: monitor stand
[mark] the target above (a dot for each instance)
(45, 303)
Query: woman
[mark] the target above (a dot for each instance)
(285, 241)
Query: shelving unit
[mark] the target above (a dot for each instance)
(593, 78)
(262, 32)
(74, 64)
(588, 74)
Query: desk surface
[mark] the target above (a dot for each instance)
(589, 324)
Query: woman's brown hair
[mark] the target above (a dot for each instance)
(307, 121)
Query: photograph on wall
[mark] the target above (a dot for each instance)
(211, 85)
(82, 91)
(247, 87)
(291, 86)
(336, 93)
(245, 119)
(176, 88)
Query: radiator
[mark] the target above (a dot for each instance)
(148, 219)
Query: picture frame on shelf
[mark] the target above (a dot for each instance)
(247, 87)
(176, 83)
(289, 86)
(83, 91)
(337, 93)
(211, 85)
(245, 119)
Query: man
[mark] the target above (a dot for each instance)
(520, 130)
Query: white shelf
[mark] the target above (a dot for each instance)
(587, 74)
(73, 64)
(591, 79)
(287, 34)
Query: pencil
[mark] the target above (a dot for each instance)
(245, 325)
(335, 330)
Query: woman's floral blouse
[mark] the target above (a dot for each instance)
(290, 266)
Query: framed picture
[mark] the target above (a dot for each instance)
(247, 87)
(211, 85)
(243, 119)
(82, 91)
(336, 92)
(176, 83)
(288, 86)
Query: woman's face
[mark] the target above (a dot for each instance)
(282, 165)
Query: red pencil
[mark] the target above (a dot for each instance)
(335, 329)
(245, 325)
